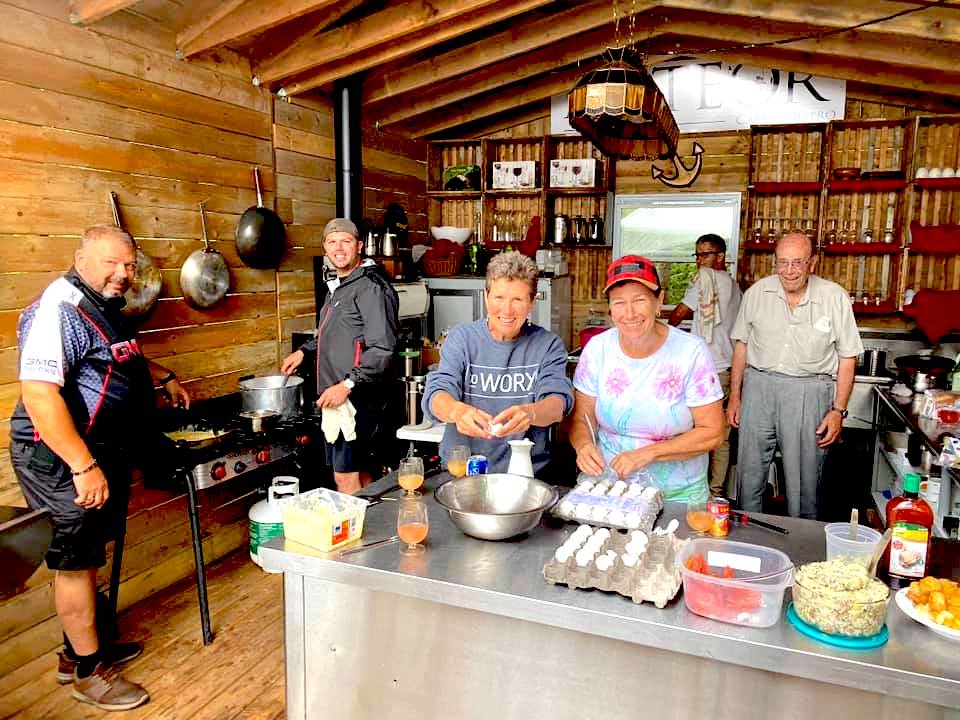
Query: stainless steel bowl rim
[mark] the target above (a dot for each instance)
(554, 496)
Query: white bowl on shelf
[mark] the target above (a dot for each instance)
(458, 235)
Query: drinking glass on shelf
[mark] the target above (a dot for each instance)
(888, 235)
(699, 519)
(576, 169)
(773, 234)
(413, 525)
(457, 460)
(410, 475)
(868, 235)
(517, 172)
(758, 230)
(844, 236)
(810, 232)
(832, 232)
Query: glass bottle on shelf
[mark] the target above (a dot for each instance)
(868, 235)
(810, 232)
(832, 232)
(888, 235)
(758, 230)
(773, 234)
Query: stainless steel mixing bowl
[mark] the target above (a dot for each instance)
(496, 506)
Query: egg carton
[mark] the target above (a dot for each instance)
(636, 564)
(612, 504)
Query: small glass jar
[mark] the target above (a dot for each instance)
(888, 235)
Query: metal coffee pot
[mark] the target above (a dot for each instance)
(595, 230)
(579, 229)
(389, 245)
(561, 229)
(370, 245)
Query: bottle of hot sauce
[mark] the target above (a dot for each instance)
(912, 521)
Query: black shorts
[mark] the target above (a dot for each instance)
(79, 536)
(355, 455)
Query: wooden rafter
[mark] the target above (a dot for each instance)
(84, 12)
(387, 35)
(536, 34)
(235, 19)
(501, 101)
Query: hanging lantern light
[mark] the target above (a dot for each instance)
(620, 109)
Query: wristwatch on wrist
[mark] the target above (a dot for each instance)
(169, 377)
(349, 384)
(843, 411)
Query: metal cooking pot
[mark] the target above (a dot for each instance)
(260, 420)
(496, 506)
(873, 362)
(204, 277)
(144, 290)
(279, 393)
(261, 234)
(936, 368)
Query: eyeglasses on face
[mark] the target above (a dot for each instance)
(795, 264)
(705, 254)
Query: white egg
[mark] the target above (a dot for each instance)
(611, 553)
(566, 508)
(649, 493)
(562, 554)
(584, 557)
(615, 517)
(599, 513)
(637, 534)
(582, 511)
(632, 519)
(585, 486)
(571, 547)
(602, 532)
(629, 560)
(603, 563)
(598, 490)
(634, 491)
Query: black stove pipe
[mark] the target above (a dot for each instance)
(349, 141)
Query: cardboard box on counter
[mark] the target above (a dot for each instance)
(573, 173)
(514, 175)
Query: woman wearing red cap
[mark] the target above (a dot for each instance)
(651, 391)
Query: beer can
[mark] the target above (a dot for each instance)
(719, 508)
(477, 465)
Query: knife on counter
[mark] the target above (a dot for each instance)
(740, 518)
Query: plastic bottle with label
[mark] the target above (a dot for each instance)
(911, 518)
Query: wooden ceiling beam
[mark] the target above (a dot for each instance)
(932, 23)
(860, 44)
(587, 46)
(877, 74)
(537, 33)
(85, 12)
(490, 125)
(394, 32)
(501, 101)
(234, 19)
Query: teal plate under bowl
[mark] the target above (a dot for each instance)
(862, 643)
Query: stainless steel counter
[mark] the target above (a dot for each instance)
(471, 612)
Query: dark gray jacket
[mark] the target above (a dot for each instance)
(356, 331)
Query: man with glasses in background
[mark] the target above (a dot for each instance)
(792, 374)
(712, 300)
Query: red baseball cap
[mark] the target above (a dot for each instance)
(635, 268)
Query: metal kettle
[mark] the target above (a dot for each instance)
(561, 229)
(595, 230)
(389, 244)
(370, 245)
(579, 229)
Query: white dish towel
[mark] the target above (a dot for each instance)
(333, 421)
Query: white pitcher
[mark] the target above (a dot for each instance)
(520, 461)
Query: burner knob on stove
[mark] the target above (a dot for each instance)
(218, 471)
(303, 440)
(240, 466)
(263, 456)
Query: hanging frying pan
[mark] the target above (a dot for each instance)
(204, 277)
(261, 235)
(143, 292)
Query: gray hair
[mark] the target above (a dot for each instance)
(790, 237)
(512, 266)
(104, 232)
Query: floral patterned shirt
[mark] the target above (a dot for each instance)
(648, 400)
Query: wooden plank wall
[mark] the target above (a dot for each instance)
(87, 110)
(725, 169)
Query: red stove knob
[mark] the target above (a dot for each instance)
(303, 440)
(263, 456)
(218, 471)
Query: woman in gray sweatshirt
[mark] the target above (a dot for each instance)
(501, 377)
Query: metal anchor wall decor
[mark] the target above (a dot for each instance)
(682, 176)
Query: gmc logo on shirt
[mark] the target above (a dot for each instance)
(44, 365)
(123, 351)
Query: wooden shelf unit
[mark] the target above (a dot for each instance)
(932, 256)
(486, 207)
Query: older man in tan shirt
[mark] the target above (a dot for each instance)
(794, 332)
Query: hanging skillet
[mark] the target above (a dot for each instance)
(261, 235)
(204, 277)
(144, 290)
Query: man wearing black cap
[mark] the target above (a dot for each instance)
(354, 346)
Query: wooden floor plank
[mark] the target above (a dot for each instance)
(239, 676)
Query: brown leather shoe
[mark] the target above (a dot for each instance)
(115, 654)
(108, 691)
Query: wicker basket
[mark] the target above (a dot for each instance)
(442, 266)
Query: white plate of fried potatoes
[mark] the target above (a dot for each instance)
(935, 603)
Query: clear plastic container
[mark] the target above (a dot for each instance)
(745, 585)
(324, 519)
(840, 546)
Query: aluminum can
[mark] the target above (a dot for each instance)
(477, 465)
(720, 509)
